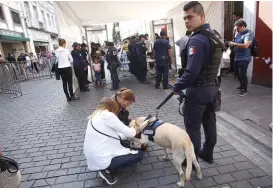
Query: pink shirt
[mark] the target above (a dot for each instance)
(97, 67)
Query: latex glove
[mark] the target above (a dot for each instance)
(145, 123)
(231, 44)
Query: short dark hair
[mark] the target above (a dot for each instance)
(238, 14)
(240, 23)
(195, 5)
(163, 33)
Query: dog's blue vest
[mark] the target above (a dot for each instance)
(151, 128)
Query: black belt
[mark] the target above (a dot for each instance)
(164, 57)
(206, 83)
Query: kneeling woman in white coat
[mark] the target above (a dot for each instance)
(103, 152)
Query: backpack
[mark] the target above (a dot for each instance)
(255, 48)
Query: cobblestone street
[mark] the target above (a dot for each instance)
(45, 135)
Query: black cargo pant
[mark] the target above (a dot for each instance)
(79, 72)
(199, 107)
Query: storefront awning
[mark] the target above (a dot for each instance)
(13, 38)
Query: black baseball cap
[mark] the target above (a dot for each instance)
(75, 44)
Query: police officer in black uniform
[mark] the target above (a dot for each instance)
(113, 64)
(84, 53)
(142, 68)
(132, 54)
(78, 65)
(203, 55)
(162, 52)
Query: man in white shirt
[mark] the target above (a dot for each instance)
(182, 43)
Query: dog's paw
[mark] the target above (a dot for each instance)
(166, 158)
(199, 176)
(181, 184)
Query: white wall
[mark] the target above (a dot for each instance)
(68, 29)
(250, 8)
(214, 16)
(128, 28)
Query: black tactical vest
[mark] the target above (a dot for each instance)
(209, 70)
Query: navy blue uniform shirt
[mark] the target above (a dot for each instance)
(198, 53)
(141, 49)
(78, 61)
(161, 47)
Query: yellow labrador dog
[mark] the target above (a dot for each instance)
(172, 137)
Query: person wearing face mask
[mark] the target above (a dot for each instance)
(203, 55)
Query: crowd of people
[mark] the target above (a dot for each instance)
(201, 56)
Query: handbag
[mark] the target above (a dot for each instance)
(7, 164)
(124, 143)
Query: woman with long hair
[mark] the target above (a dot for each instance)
(102, 145)
(65, 60)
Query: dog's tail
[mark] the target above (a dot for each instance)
(188, 152)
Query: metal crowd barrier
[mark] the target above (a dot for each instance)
(8, 80)
(34, 69)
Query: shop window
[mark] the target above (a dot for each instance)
(15, 17)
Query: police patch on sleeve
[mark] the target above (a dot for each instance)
(192, 50)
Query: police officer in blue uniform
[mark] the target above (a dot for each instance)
(84, 53)
(113, 64)
(132, 55)
(142, 68)
(162, 53)
(78, 65)
(203, 55)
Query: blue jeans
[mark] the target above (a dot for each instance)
(125, 161)
(98, 78)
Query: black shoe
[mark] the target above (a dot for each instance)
(239, 88)
(68, 99)
(88, 82)
(242, 93)
(157, 87)
(185, 164)
(205, 157)
(113, 88)
(85, 90)
(74, 98)
(169, 87)
(109, 178)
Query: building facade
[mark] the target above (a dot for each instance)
(27, 26)
(41, 23)
(14, 38)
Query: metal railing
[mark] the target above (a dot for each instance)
(34, 69)
(8, 82)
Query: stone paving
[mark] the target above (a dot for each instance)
(45, 135)
(254, 109)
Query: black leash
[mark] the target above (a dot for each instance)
(181, 99)
(165, 100)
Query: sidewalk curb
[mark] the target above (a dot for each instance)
(247, 130)
(238, 125)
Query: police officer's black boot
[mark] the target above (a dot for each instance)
(206, 157)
